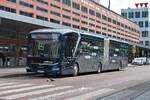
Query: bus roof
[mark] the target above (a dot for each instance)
(93, 34)
(61, 31)
(103, 37)
(65, 31)
(118, 40)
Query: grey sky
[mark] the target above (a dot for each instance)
(117, 5)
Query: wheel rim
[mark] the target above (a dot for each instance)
(99, 69)
(120, 67)
(75, 69)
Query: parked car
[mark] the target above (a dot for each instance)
(141, 61)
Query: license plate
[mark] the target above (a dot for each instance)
(40, 71)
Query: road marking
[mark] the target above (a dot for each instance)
(15, 86)
(10, 97)
(49, 97)
(25, 89)
(3, 84)
(91, 94)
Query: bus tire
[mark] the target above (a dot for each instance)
(99, 68)
(46, 74)
(75, 69)
(120, 67)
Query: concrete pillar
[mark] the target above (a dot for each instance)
(106, 51)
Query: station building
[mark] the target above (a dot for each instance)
(18, 17)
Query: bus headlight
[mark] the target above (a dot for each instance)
(27, 67)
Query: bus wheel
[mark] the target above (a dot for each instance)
(99, 68)
(120, 67)
(46, 74)
(75, 69)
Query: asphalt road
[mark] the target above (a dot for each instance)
(132, 83)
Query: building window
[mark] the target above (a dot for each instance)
(103, 33)
(122, 25)
(145, 14)
(98, 32)
(109, 30)
(91, 12)
(84, 9)
(131, 15)
(8, 9)
(104, 28)
(141, 42)
(84, 22)
(57, 0)
(26, 4)
(67, 17)
(66, 24)
(90, 30)
(26, 14)
(124, 15)
(55, 6)
(126, 26)
(147, 43)
(67, 10)
(99, 27)
(114, 31)
(67, 2)
(114, 21)
(84, 16)
(42, 18)
(104, 17)
(118, 23)
(75, 5)
(91, 24)
(75, 19)
(55, 13)
(144, 33)
(76, 26)
(98, 21)
(91, 19)
(54, 21)
(98, 15)
(14, 1)
(146, 24)
(84, 28)
(76, 13)
(140, 23)
(42, 1)
(137, 14)
(109, 19)
(42, 9)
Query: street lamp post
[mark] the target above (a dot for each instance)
(109, 4)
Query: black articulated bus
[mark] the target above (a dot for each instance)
(64, 51)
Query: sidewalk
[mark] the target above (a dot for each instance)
(130, 65)
(12, 71)
(1, 67)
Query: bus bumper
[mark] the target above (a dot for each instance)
(47, 69)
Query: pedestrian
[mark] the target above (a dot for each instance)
(2, 56)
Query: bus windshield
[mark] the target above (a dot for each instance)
(45, 45)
